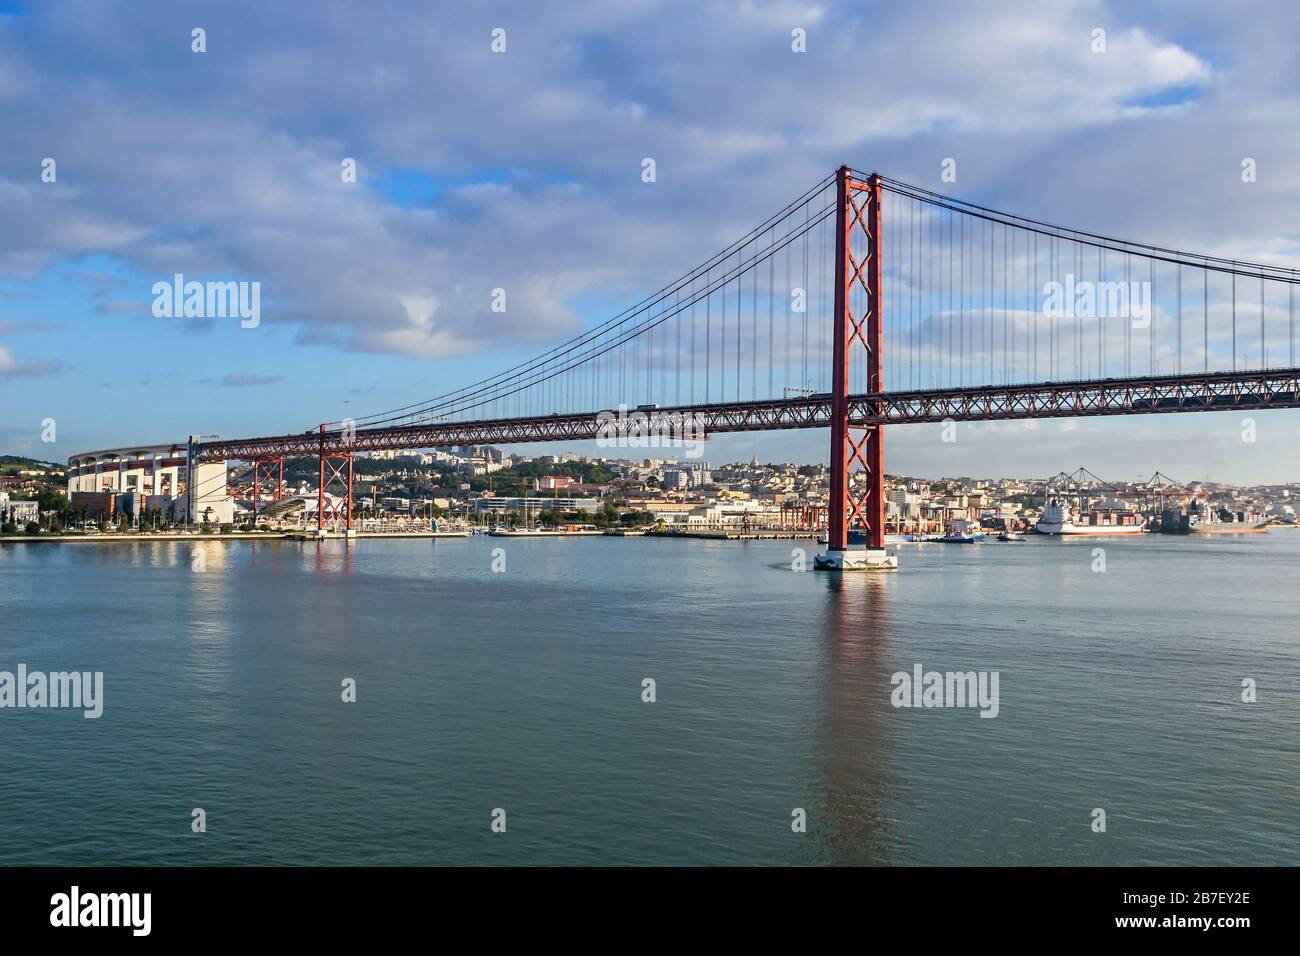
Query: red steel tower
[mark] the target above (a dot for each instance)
(857, 331)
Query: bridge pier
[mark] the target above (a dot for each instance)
(336, 472)
(856, 559)
(205, 488)
(857, 322)
(263, 470)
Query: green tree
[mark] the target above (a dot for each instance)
(52, 499)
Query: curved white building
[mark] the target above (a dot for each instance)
(160, 474)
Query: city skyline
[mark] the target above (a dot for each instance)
(668, 456)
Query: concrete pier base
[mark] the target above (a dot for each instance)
(856, 559)
(327, 533)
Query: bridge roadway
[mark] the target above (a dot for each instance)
(1211, 391)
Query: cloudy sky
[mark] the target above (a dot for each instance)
(522, 170)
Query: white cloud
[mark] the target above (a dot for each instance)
(11, 367)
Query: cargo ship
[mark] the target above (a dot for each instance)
(1204, 519)
(1228, 527)
(1058, 519)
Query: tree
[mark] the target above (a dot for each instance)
(32, 528)
(51, 499)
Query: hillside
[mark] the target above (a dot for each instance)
(9, 464)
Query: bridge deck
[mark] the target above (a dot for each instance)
(1212, 391)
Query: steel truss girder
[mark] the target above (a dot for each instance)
(1212, 391)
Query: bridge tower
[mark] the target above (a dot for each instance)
(857, 332)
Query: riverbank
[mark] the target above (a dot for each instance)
(93, 538)
(736, 535)
(240, 536)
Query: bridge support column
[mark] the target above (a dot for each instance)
(858, 330)
(335, 473)
(264, 469)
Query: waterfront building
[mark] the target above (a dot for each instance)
(149, 470)
(19, 512)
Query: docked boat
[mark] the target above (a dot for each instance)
(961, 531)
(1058, 519)
(565, 531)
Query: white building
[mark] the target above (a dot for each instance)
(154, 470)
(19, 512)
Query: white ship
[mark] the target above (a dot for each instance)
(1058, 519)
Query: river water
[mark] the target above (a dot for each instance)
(521, 689)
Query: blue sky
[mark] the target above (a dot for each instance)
(522, 170)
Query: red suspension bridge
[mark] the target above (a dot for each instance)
(865, 302)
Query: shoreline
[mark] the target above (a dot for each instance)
(251, 536)
(300, 537)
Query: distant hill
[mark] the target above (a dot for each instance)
(10, 462)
